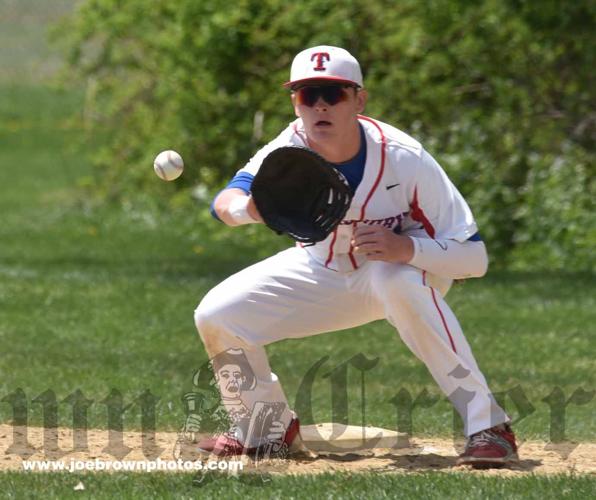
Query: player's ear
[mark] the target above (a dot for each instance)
(293, 97)
(361, 98)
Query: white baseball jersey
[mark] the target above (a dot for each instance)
(301, 292)
(403, 188)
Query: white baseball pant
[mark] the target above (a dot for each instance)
(289, 295)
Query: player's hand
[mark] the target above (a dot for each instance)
(380, 243)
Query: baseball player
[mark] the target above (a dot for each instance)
(407, 235)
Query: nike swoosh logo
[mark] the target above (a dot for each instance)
(443, 246)
(392, 185)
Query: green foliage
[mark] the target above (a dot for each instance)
(500, 91)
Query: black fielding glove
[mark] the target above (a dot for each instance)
(299, 193)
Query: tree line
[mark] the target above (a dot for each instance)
(501, 92)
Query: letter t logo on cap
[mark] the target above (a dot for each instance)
(320, 56)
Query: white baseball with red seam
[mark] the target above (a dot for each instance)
(168, 165)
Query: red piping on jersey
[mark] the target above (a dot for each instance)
(375, 185)
(419, 215)
(330, 256)
(381, 170)
(351, 252)
(302, 138)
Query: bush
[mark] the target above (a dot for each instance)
(499, 91)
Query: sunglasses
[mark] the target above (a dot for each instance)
(331, 94)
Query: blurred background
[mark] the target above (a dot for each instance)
(102, 264)
(502, 92)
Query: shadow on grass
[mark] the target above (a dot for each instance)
(413, 462)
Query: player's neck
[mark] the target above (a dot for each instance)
(338, 149)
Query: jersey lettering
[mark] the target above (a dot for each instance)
(388, 222)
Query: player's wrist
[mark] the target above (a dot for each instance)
(238, 210)
(403, 249)
(415, 249)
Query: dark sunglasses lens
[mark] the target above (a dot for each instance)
(331, 94)
(308, 95)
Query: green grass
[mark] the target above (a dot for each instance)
(348, 486)
(96, 297)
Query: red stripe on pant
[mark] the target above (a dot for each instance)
(432, 292)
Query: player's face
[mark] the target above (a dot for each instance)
(328, 111)
(230, 381)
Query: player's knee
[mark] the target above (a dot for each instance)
(208, 321)
(396, 280)
(201, 318)
(207, 317)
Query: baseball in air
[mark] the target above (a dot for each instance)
(168, 165)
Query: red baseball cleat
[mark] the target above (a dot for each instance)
(492, 447)
(225, 445)
(206, 445)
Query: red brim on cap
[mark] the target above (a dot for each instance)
(318, 79)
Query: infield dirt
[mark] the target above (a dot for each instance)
(420, 455)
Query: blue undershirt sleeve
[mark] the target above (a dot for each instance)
(243, 181)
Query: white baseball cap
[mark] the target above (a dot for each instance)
(325, 63)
